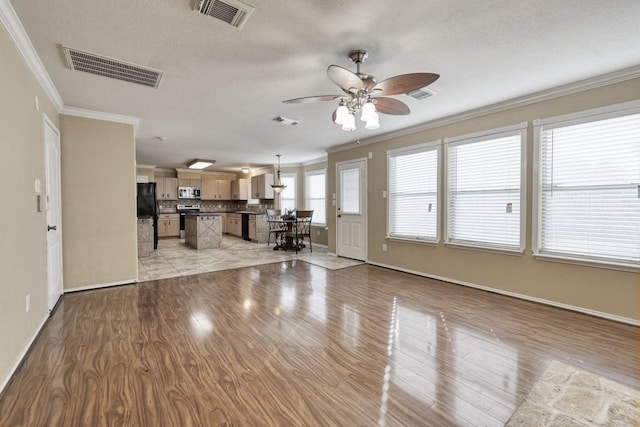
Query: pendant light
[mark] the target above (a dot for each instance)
(278, 186)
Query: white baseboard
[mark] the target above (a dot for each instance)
(22, 354)
(601, 314)
(332, 254)
(102, 285)
(319, 245)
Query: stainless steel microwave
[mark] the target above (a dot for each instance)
(188, 193)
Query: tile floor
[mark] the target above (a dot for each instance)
(173, 258)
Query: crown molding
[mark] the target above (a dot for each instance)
(98, 115)
(315, 161)
(145, 167)
(14, 27)
(545, 95)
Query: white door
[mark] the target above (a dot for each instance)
(53, 212)
(351, 209)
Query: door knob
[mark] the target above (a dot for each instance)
(51, 227)
(339, 216)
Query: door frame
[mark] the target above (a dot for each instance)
(365, 206)
(50, 296)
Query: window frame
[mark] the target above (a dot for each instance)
(289, 175)
(580, 117)
(496, 133)
(427, 146)
(307, 174)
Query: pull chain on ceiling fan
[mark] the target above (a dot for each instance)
(362, 93)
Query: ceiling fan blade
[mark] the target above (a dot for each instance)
(344, 78)
(404, 83)
(391, 106)
(312, 99)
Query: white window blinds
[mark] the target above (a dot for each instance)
(315, 191)
(485, 187)
(589, 188)
(413, 192)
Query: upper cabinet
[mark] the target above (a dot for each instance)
(261, 186)
(166, 188)
(185, 182)
(239, 189)
(215, 189)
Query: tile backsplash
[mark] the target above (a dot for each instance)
(168, 206)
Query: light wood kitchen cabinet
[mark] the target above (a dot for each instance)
(185, 182)
(223, 223)
(166, 188)
(215, 189)
(169, 225)
(261, 186)
(234, 224)
(239, 189)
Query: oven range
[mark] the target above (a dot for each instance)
(183, 210)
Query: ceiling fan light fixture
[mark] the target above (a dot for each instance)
(341, 114)
(373, 122)
(367, 112)
(349, 123)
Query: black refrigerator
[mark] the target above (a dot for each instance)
(148, 206)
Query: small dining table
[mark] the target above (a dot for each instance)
(286, 242)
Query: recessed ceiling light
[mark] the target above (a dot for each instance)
(199, 164)
(245, 170)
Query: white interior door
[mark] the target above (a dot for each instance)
(351, 209)
(53, 212)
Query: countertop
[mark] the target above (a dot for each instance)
(204, 214)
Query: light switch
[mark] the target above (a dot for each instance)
(36, 185)
(384, 194)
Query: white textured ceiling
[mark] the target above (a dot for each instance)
(222, 86)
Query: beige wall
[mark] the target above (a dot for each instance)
(148, 172)
(23, 263)
(609, 291)
(98, 202)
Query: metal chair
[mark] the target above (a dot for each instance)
(275, 228)
(301, 229)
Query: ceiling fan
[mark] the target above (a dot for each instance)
(363, 93)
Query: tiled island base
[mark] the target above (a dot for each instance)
(145, 237)
(203, 230)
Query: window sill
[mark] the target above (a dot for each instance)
(417, 241)
(512, 252)
(588, 263)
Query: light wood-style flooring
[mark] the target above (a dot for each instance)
(295, 344)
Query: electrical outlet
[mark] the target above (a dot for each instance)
(28, 302)
(384, 247)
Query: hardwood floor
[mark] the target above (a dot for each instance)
(296, 344)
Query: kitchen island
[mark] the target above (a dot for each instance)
(203, 230)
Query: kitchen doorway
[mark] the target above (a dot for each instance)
(52, 202)
(351, 239)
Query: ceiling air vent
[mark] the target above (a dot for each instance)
(420, 94)
(232, 12)
(113, 68)
(285, 120)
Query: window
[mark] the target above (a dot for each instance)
(315, 194)
(588, 186)
(412, 207)
(288, 195)
(485, 189)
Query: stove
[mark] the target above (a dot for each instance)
(182, 210)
